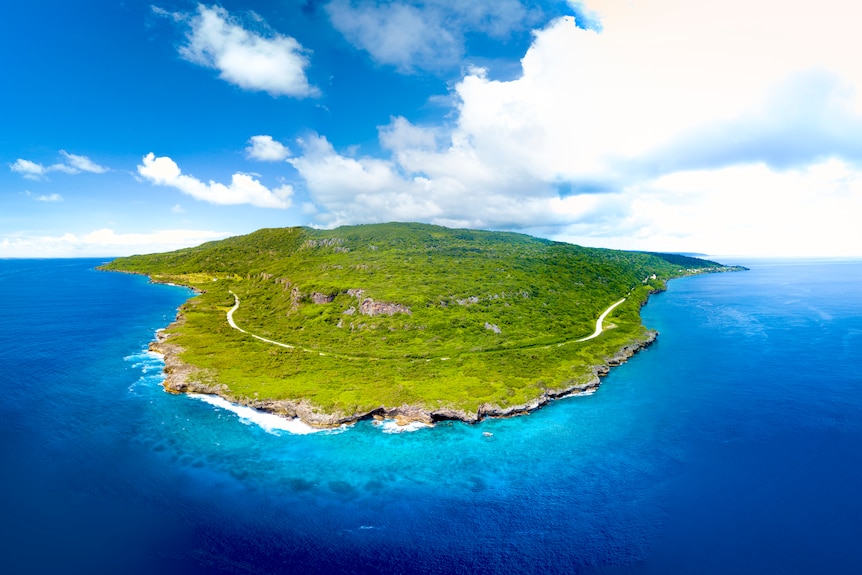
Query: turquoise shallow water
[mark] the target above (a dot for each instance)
(730, 445)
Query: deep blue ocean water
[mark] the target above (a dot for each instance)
(732, 445)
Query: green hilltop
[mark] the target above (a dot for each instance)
(401, 319)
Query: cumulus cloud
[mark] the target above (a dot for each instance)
(742, 209)
(453, 188)
(272, 63)
(28, 169)
(103, 243)
(400, 134)
(352, 188)
(243, 189)
(265, 149)
(594, 137)
(74, 164)
(426, 35)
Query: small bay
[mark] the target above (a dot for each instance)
(730, 445)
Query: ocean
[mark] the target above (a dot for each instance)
(731, 445)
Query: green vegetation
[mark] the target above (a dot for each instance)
(404, 314)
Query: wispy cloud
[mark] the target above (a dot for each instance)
(45, 198)
(270, 62)
(175, 16)
(265, 149)
(74, 164)
(243, 189)
(103, 242)
(28, 169)
(82, 163)
(426, 35)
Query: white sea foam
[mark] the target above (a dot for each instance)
(139, 358)
(151, 365)
(578, 394)
(391, 426)
(145, 357)
(267, 421)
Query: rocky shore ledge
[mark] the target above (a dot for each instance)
(178, 380)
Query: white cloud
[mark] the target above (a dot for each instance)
(28, 169)
(46, 198)
(428, 35)
(397, 34)
(178, 209)
(275, 64)
(746, 111)
(243, 189)
(175, 16)
(455, 190)
(585, 17)
(103, 242)
(402, 135)
(82, 163)
(746, 209)
(351, 188)
(265, 149)
(74, 165)
(65, 168)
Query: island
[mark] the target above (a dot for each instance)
(404, 321)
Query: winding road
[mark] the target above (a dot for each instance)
(601, 319)
(236, 327)
(232, 323)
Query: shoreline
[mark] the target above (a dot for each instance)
(177, 381)
(329, 392)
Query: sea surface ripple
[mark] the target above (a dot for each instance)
(730, 445)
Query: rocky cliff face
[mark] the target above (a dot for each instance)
(372, 308)
(320, 298)
(183, 378)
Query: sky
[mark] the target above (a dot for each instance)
(730, 127)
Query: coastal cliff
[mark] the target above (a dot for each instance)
(410, 322)
(178, 379)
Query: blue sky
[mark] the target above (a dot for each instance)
(671, 125)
